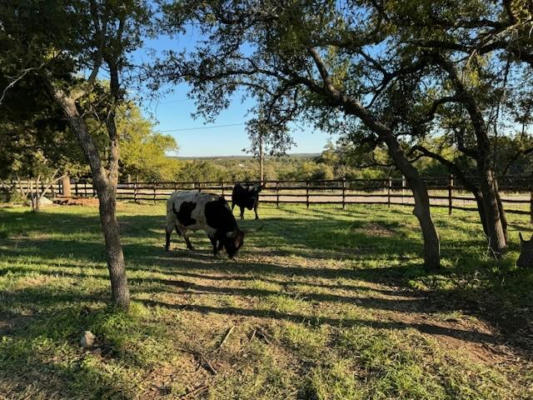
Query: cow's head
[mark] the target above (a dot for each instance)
(233, 241)
(526, 253)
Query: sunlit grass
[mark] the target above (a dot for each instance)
(324, 304)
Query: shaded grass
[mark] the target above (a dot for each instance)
(326, 304)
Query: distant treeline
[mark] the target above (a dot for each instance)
(335, 162)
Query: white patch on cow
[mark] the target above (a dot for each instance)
(198, 213)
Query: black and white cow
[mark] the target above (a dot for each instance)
(246, 195)
(193, 210)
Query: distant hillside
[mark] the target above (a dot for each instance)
(243, 157)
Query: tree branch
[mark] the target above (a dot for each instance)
(25, 72)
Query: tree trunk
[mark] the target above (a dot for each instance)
(422, 209)
(261, 159)
(495, 227)
(494, 215)
(106, 190)
(503, 216)
(115, 256)
(65, 184)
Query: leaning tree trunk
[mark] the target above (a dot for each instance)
(503, 215)
(106, 190)
(496, 229)
(422, 209)
(494, 215)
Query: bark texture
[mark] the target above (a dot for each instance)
(422, 209)
(105, 184)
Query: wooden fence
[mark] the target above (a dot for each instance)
(517, 193)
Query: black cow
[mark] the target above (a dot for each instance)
(193, 210)
(246, 195)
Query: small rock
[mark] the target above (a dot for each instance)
(87, 339)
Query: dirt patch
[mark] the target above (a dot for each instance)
(11, 321)
(374, 229)
(82, 201)
(474, 339)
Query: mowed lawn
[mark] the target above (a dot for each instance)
(319, 304)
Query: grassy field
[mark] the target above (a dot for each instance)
(319, 304)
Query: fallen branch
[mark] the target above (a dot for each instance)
(208, 365)
(204, 362)
(195, 391)
(262, 335)
(225, 337)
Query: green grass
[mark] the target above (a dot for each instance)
(325, 304)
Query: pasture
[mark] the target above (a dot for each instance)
(322, 303)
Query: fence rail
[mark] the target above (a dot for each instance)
(517, 193)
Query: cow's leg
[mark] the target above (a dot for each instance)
(242, 212)
(214, 243)
(167, 239)
(255, 210)
(168, 231)
(187, 241)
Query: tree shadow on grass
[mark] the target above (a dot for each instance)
(319, 238)
(146, 285)
(466, 335)
(53, 301)
(40, 355)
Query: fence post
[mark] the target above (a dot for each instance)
(222, 185)
(403, 187)
(76, 188)
(135, 192)
(450, 195)
(277, 194)
(389, 188)
(307, 193)
(531, 204)
(85, 189)
(344, 193)
(154, 192)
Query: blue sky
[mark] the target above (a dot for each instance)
(227, 135)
